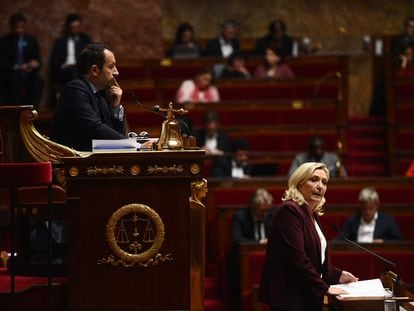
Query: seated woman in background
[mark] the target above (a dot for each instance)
(236, 68)
(184, 45)
(273, 66)
(406, 67)
(199, 89)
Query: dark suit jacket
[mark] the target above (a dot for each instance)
(81, 116)
(243, 226)
(213, 47)
(221, 167)
(284, 45)
(292, 271)
(59, 54)
(385, 227)
(223, 142)
(30, 50)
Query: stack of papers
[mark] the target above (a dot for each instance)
(363, 289)
(115, 145)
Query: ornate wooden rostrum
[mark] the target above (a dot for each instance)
(136, 231)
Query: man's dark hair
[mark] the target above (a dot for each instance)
(92, 54)
(16, 18)
(211, 116)
(70, 18)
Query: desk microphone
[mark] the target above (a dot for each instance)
(155, 109)
(336, 229)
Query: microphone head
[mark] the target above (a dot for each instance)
(156, 108)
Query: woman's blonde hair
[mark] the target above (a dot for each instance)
(300, 176)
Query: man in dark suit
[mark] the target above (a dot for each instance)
(213, 140)
(21, 64)
(236, 165)
(90, 107)
(226, 43)
(369, 225)
(66, 50)
(250, 224)
(276, 38)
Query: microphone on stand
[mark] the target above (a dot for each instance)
(336, 229)
(155, 109)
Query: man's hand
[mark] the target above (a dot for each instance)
(114, 94)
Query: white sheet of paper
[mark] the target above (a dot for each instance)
(367, 288)
(115, 144)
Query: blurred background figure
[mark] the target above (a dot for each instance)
(21, 65)
(316, 153)
(406, 38)
(199, 89)
(369, 225)
(226, 43)
(406, 65)
(273, 66)
(250, 224)
(211, 138)
(235, 165)
(184, 45)
(236, 67)
(276, 38)
(66, 50)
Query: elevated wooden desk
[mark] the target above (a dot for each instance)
(136, 238)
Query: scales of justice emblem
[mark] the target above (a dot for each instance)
(135, 234)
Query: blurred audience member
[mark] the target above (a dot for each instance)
(226, 43)
(184, 45)
(250, 224)
(236, 67)
(410, 170)
(406, 67)
(236, 165)
(66, 50)
(369, 225)
(213, 140)
(21, 64)
(399, 43)
(316, 153)
(274, 66)
(275, 38)
(199, 89)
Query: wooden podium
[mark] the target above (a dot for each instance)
(136, 231)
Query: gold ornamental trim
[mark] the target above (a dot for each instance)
(134, 256)
(135, 170)
(114, 170)
(73, 171)
(195, 169)
(177, 169)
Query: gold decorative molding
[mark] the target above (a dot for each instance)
(131, 238)
(195, 169)
(177, 169)
(135, 170)
(73, 171)
(104, 170)
(42, 149)
(198, 192)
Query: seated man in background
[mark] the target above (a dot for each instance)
(90, 107)
(369, 225)
(236, 67)
(235, 165)
(316, 153)
(250, 224)
(226, 43)
(213, 140)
